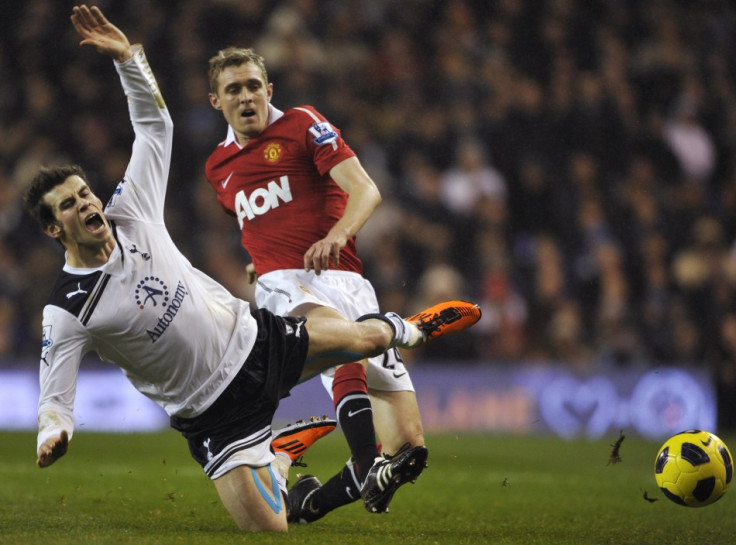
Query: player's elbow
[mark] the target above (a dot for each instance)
(373, 196)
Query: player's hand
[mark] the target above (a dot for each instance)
(96, 30)
(250, 273)
(321, 252)
(52, 449)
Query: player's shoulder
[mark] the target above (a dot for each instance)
(314, 123)
(221, 153)
(72, 291)
(305, 114)
(222, 147)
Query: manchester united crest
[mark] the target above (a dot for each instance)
(272, 152)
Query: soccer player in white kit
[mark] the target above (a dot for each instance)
(127, 293)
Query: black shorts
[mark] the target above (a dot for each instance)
(240, 419)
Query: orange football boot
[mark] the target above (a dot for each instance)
(294, 439)
(444, 318)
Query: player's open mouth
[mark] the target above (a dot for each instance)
(248, 113)
(94, 222)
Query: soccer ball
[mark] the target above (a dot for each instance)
(694, 468)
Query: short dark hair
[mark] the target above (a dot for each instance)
(46, 180)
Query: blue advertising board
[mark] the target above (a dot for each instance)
(521, 399)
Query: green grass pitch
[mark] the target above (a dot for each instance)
(145, 489)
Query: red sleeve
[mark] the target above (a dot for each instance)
(324, 141)
(211, 173)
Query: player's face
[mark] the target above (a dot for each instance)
(243, 96)
(78, 211)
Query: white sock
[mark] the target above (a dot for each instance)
(283, 464)
(407, 334)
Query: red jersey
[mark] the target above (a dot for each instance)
(279, 188)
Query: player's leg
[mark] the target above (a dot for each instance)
(334, 341)
(386, 476)
(231, 438)
(352, 408)
(309, 501)
(350, 397)
(253, 498)
(396, 412)
(297, 293)
(352, 405)
(397, 419)
(399, 427)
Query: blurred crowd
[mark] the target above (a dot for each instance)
(570, 164)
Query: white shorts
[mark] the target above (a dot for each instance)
(348, 293)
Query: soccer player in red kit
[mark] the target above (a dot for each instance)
(300, 195)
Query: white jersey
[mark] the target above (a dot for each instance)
(179, 336)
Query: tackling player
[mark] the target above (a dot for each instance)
(127, 293)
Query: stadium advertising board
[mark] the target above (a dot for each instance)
(520, 399)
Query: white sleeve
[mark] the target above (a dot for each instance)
(64, 343)
(142, 192)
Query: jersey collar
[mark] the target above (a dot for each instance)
(273, 114)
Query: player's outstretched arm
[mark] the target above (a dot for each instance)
(96, 30)
(52, 449)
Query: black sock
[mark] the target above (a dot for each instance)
(340, 490)
(355, 415)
